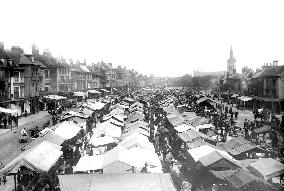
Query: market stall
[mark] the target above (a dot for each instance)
(121, 182)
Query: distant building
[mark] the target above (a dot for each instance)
(198, 73)
(231, 63)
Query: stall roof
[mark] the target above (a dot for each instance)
(267, 168)
(39, 158)
(204, 126)
(190, 135)
(86, 163)
(176, 121)
(95, 106)
(236, 178)
(263, 129)
(244, 98)
(4, 110)
(98, 141)
(121, 182)
(80, 94)
(208, 155)
(136, 139)
(117, 117)
(121, 154)
(67, 129)
(107, 129)
(196, 143)
(202, 100)
(55, 97)
(183, 128)
(135, 118)
(104, 90)
(94, 92)
(137, 124)
(139, 130)
(238, 145)
(45, 135)
(129, 100)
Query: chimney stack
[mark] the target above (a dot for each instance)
(2, 45)
(275, 62)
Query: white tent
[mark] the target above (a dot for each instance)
(146, 156)
(67, 129)
(267, 168)
(136, 140)
(107, 129)
(39, 158)
(55, 97)
(98, 141)
(183, 127)
(80, 94)
(204, 126)
(104, 90)
(204, 150)
(87, 163)
(95, 106)
(94, 92)
(11, 111)
(115, 122)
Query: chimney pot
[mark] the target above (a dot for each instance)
(2, 45)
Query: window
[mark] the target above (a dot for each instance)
(46, 89)
(16, 92)
(2, 74)
(89, 85)
(62, 78)
(46, 73)
(95, 84)
(274, 83)
(22, 91)
(67, 77)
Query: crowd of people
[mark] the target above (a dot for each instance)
(171, 150)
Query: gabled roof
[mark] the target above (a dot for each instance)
(77, 68)
(43, 59)
(274, 71)
(118, 182)
(3, 54)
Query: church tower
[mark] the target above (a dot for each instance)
(231, 63)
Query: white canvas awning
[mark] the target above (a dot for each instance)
(104, 90)
(244, 98)
(182, 128)
(80, 94)
(87, 163)
(67, 129)
(95, 106)
(55, 97)
(94, 92)
(11, 111)
(99, 141)
(39, 158)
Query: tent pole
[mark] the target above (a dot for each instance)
(15, 181)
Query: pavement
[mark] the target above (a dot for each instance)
(25, 121)
(10, 146)
(243, 114)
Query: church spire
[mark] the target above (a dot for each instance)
(231, 52)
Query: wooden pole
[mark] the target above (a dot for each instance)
(15, 181)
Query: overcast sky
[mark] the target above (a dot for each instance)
(162, 37)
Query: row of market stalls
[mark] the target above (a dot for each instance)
(117, 148)
(237, 164)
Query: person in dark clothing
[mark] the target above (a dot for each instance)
(5, 121)
(236, 114)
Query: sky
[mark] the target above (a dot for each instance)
(160, 37)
